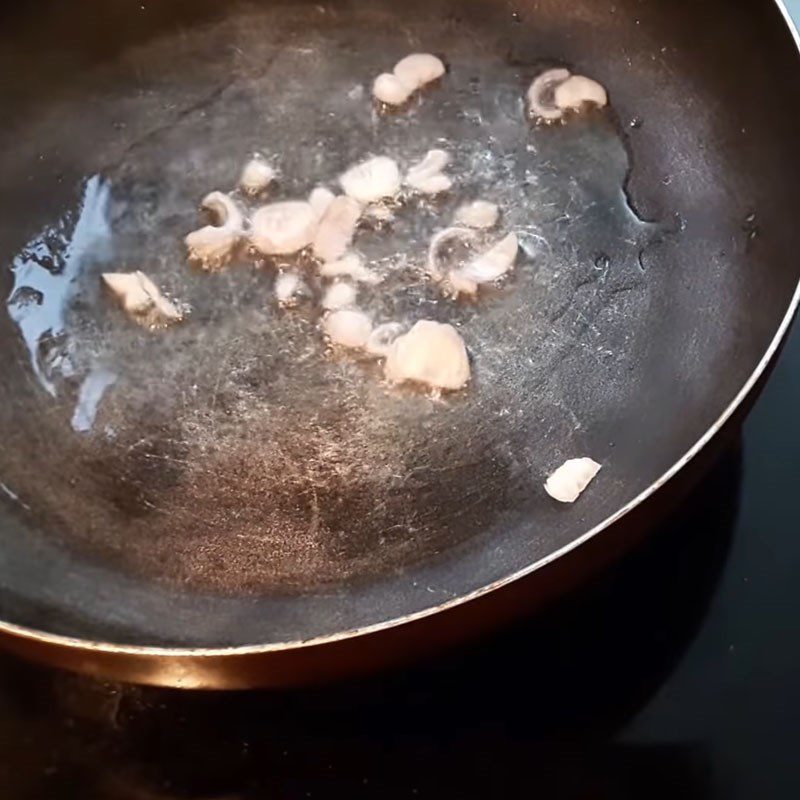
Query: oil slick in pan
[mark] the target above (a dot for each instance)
(89, 396)
(45, 272)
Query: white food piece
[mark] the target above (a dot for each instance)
(256, 176)
(409, 74)
(431, 353)
(382, 338)
(347, 327)
(213, 245)
(426, 175)
(350, 266)
(336, 229)
(435, 184)
(433, 162)
(571, 478)
(372, 180)
(417, 69)
(461, 284)
(441, 238)
(320, 200)
(388, 89)
(287, 286)
(142, 299)
(283, 228)
(541, 100)
(339, 295)
(578, 90)
(477, 214)
(492, 264)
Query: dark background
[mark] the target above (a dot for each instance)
(676, 674)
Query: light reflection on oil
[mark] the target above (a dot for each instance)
(44, 277)
(91, 393)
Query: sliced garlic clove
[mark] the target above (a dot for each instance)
(461, 285)
(433, 162)
(417, 69)
(347, 327)
(434, 184)
(213, 245)
(372, 180)
(439, 240)
(224, 209)
(388, 89)
(579, 90)
(568, 482)
(431, 353)
(477, 214)
(351, 266)
(382, 338)
(492, 264)
(336, 229)
(339, 295)
(256, 176)
(425, 176)
(320, 200)
(283, 228)
(141, 299)
(541, 101)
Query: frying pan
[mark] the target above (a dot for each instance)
(231, 503)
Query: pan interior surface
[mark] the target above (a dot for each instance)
(233, 481)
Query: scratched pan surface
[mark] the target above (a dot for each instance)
(233, 482)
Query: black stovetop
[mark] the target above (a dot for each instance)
(677, 674)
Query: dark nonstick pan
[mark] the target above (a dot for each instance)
(230, 502)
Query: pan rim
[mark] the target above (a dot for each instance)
(111, 648)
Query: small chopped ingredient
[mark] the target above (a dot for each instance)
(426, 175)
(388, 89)
(347, 327)
(339, 295)
(577, 91)
(409, 74)
(283, 228)
(417, 69)
(336, 229)
(571, 478)
(382, 338)
(320, 200)
(142, 299)
(351, 266)
(541, 100)
(213, 245)
(287, 286)
(256, 176)
(431, 353)
(372, 180)
(492, 264)
(477, 214)
(460, 284)
(440, 241)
